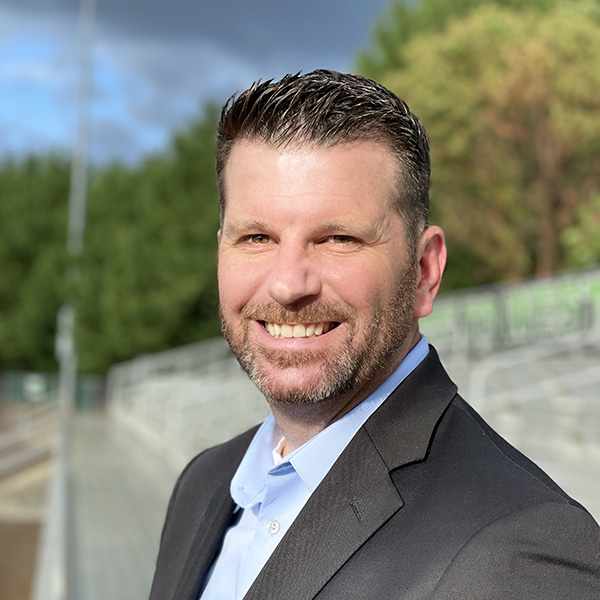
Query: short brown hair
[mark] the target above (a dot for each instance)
(327, 108)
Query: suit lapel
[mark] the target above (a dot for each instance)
(216, 516)
(358, 495)
(206, 544)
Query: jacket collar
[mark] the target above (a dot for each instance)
(403, 426)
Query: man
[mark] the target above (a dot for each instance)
(372, 478)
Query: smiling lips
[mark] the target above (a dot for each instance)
(298, 330)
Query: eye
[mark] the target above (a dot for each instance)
(259, 238)
(342, 240)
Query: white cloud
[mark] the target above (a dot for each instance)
(155, 63)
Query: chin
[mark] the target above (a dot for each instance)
(300, 387)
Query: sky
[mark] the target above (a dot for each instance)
(156, 63)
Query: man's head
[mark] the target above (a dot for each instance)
(327, 108)
(325, 260)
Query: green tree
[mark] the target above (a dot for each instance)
(405, 19)
(33, 224)
(581, 241)
(511, 102)
(148, 273)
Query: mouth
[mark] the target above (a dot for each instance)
(298, 330)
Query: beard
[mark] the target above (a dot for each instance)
(358, 361)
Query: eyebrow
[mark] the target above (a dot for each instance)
(335, 228)
(360, 229)
(238, 227)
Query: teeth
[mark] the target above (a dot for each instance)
(297, 330)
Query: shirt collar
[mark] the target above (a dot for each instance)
(313, 459)
(251, 476)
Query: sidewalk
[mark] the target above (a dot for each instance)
(118, 495)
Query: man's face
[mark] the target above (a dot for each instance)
(316, 281)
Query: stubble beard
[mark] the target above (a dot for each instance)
(350, 369)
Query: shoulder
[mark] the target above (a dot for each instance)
(474, 454)
(204, 479)
(508, 531)
(547, 551)
(214, 465)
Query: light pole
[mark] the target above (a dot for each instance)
(65, 347)
(52, 573)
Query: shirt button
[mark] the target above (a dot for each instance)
(273, 526)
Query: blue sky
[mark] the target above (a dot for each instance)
(155, 63)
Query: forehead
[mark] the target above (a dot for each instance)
(361, 173)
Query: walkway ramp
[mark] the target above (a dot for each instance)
(118, 493)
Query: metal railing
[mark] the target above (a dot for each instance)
(474, 324)
(186, 399)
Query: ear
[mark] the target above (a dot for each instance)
(431, 253)
(219, 236)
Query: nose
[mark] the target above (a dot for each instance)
(293, 276)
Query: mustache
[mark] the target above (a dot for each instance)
(314, 313)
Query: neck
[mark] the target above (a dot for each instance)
(299, 423)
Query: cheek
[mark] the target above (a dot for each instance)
(360, 284)
(239, 282)
(348, 272)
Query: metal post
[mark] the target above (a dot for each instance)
(52, 576)
(66, 351)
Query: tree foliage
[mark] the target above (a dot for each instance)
(33, 217)
(404, 20)
(148, 273)
(511, 102)
(581, 241)
(147, 276)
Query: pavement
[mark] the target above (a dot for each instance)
(27, 436)
(118, 495)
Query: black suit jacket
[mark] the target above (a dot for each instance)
(426, 502)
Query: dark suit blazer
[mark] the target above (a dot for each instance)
(426, 502)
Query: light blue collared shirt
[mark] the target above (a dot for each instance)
(270, 495)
